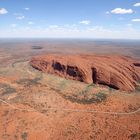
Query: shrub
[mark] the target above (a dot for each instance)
(24, 135)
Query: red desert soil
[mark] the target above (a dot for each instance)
(118, 72)
(30, 109)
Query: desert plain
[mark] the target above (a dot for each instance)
(41, 104)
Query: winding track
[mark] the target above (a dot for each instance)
(72, 110)
(66, 109)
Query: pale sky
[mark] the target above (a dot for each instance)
(70, 18)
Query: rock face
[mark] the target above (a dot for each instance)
(118, 72)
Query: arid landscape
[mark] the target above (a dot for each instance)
(69, 89)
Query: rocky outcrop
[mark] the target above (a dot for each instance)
(118, 72)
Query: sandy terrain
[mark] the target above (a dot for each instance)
(41, 106)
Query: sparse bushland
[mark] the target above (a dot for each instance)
(24, 135)
(62, 85)
(138, 89)
(89, 99)
(7, 89)
(135, 136)
(28, 82)
(88, 88)
(84, 96)
(101, 97)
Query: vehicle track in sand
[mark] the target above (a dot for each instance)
(72, 110)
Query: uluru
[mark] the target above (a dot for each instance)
(115, 71)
